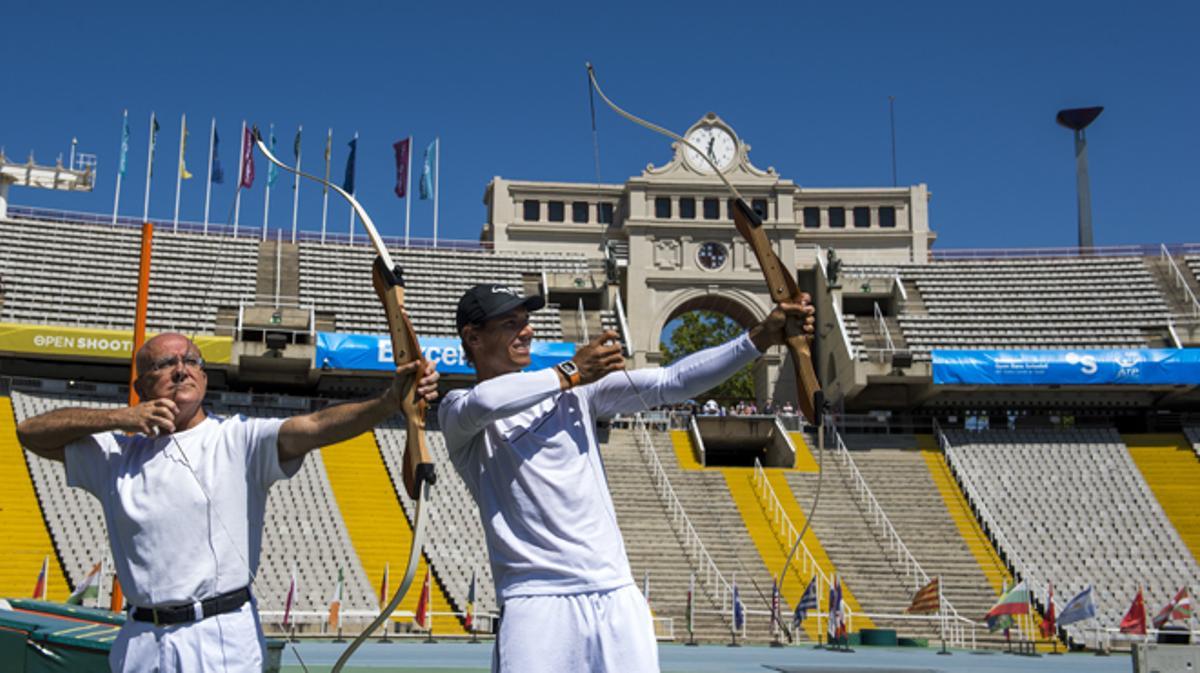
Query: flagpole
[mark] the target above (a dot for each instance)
(237, 193)
(437, 169)
(296, 188)
(117, 194)
(325, 190)
(149, 169)
(212, 139)
(352, 167)
(267, 188)
(408, 191)
(179, 171)
(941, 616)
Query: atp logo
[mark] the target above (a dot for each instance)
(1086, 363)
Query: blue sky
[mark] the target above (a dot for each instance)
(806, 84)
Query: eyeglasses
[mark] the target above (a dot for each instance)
(193, 362)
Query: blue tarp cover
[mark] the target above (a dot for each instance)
(1156, 366)
(336, 350)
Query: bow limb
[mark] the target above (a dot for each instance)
(418, 474)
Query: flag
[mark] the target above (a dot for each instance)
(124, 144)
(691, 603)
(808, 601)
(775, 618)
(384, 593)
(1080, 608)
(335, 603)
(469, 619)
(296, 145)
(328, 156)
(116, 601)
(39, 588)
(1013, 602)
(247, 178)
(1048, 627)
(348, 181)
(183, 171)
(88, 588)
(272, 172)
(427, 177)
(837, 617)
(153, 141)
(291, 599)
(218, 175)
(1178, 608)
(927, 600)
(402, 148)
(1135, 620)
(739, 613)
(422, 616)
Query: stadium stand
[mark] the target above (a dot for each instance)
(1070, 507)
(1078, 302)
(303, 526)
(1169, 466)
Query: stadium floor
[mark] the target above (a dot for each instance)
(467, 658)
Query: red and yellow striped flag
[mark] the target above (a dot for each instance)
(926, 601)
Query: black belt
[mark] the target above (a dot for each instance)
(181, 614)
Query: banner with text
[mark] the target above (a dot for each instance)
(54, 340)
(368, 351)
(1157, 366)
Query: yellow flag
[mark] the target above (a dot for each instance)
(183, 171)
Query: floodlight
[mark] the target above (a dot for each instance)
(1077, 119)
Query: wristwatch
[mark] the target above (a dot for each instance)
(570, 372)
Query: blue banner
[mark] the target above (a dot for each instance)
(1157, 366)
(374, 352)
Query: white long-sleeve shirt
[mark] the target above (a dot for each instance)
(527, 451)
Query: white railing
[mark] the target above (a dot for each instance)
(956, 624)
(710, 576)
(883, 329)
(694, 430)
(900, 285)
(1180, 279)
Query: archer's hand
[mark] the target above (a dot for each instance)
(600, 357)
(151, 418)
(427, 385)
(785, 320)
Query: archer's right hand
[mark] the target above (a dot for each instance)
(151, 418)
(601, 357)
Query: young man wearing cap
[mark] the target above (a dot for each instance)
(525, 444)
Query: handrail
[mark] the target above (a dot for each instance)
(900, 284)
(694, 429)
(714, 582)
(1180, 280)
(623, 323)
(887, 333)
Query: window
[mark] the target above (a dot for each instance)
(712, 208)
(812, 217)
(556, 211)
(837, 217)
(687, 208)
(606, 212)
(862, 217)
(533, 210)
(579, 211)
(662, 207)
(887, 216)
(760, 207)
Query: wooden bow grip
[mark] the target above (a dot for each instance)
(418, 462)
(782, 286)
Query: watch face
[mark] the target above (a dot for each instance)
(712, 255)
(716, 143)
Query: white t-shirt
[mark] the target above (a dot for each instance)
(528, 453)
(169, 544)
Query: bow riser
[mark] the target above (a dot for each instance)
(418, 462)
(782, 287)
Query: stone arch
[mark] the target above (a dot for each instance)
(743, 308)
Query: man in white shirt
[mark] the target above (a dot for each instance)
(525, 444)
(184, 496)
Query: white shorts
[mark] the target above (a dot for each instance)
(228, 643)
(603, 631)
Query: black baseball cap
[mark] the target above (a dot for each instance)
(484, 302)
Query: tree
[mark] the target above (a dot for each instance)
(697, 330)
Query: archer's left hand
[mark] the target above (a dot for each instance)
(427, 385)
(774, 330)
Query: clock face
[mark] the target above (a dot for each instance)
(712, 255)
(716, 143)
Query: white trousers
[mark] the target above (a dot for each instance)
(600, 632)
(228, 643)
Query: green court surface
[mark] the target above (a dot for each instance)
(448, 657)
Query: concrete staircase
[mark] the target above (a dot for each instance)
(278, 266)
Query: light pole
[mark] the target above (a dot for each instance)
(1078, 119)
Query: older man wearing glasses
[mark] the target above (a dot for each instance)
(184, 494)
